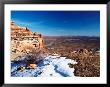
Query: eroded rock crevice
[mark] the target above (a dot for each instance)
(24, 41)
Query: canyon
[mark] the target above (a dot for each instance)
(33, 54)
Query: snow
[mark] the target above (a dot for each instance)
(51, 66)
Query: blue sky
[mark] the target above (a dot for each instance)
(61, 23)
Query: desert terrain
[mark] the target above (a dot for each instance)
(33, 54)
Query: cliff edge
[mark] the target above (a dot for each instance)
(23, 41)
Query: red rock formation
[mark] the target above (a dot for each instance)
(23, 40)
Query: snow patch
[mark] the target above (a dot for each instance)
(51, 66)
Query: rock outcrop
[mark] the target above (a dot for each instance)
(23, 41)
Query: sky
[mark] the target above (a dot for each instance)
(59, 23)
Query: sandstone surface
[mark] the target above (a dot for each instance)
(23, 41)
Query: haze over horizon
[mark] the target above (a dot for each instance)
(59, 23)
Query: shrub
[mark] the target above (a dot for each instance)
(34, 56)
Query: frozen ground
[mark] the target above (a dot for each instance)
(51, 66)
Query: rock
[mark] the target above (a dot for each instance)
(23, 41)
(21, 68)
(32, 66)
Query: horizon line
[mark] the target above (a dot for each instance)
(71, 35)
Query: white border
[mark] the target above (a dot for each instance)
(66, 80)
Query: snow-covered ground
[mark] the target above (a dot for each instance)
(51, 66)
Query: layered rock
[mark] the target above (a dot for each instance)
(23, 41)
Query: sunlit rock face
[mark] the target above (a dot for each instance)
(23, 41)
